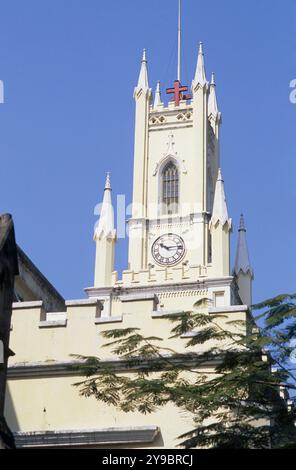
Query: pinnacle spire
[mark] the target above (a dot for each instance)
(105, 225)
(242, 260)
(212, 103)
(200, 73)
(213, 79)
(143, 77)
(242, 227)
(220, 211)
(108, 182)
(144, 58)
(157, 100)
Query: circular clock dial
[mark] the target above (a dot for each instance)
(168, 250)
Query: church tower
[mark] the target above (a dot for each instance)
(179, 230)
(175, 169)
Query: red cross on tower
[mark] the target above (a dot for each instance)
(177, 92)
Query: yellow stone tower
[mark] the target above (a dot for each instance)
(179, 232)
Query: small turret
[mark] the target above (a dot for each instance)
(105, 227)
(220, 228)
(105, 238)
(243, 270)
(157, 99)
(143, 82)
(200, 73)
(212, 103)
(200, 117)
(142, 96)
(213, 112)
(220, 210)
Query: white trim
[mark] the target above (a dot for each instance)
(53, 324)
(156, 289)
(82, 302)
(27, 305)
(229, 309)
(105, 320)
(19, 371)
(138, 297)
(164, 313)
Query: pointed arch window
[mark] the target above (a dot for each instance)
(170, 188)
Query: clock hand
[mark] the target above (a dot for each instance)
(169, 248)
(164, 246)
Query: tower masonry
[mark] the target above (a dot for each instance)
(179, 231)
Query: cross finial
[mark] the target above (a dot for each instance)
(177, 92)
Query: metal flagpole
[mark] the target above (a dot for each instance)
(179, 43)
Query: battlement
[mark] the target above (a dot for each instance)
(46, 337)
(154, 275)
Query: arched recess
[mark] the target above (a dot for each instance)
(169, 186)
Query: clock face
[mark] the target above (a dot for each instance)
(168, 250)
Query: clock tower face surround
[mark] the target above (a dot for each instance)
(168, 250)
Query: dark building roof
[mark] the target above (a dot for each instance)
(32, 285)
(8, 271)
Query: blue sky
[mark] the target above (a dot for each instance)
(69, 68)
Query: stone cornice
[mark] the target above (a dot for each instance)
(138, 297)
(108, 320)
(83, 302)
(87, 438)
(53, 324)
(229, 309)
(171, 111)
(27, 305)
(169, 126)
(202, 284)
(171, 220)
(70, 368)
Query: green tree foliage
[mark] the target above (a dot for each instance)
(233, 378)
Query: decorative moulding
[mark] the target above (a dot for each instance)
(53, 324)
(170, 154)
(106, 320)
(86, 438)
(164, 313)
(229, 309)
(82, 302)
(27, 305)
(138, 297)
